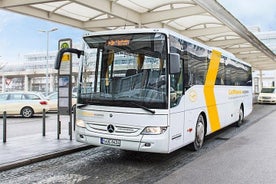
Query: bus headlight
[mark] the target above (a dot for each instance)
(80, 123)
(153, 130)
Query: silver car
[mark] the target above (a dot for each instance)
(267, 95)
(25, 104)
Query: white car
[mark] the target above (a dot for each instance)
(267, 95)
(25, 104)
(53, 101)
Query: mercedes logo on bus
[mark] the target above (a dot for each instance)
(110, 128)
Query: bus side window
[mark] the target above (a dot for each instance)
(220, 80)
(176, 88)
(186, 72)
(197, 64)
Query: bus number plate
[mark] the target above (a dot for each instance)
(110, 142)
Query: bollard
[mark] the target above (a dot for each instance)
(74, 117)
(58, 127)
(4, 127)
(43, 123)
(70, 127)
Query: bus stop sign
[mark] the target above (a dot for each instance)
(65, 80)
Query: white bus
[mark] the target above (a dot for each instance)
(153, 90)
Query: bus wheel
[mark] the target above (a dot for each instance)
(241, 117)
(199, 134)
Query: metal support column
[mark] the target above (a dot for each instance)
(261, 79)
(26, 83)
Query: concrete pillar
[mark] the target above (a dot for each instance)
(3, 84)
(261, 79)
(52, 82)
(26, 83)
(30, 87)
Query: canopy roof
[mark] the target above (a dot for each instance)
(202, 20)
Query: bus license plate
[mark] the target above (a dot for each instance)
(110, 142)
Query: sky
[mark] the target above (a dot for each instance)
(260, 13)
(19, 34)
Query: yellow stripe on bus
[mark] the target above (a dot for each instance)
(209, 93)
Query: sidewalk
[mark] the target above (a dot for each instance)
(24, 150)
(249, 157)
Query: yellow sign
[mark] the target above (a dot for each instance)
(65, 57)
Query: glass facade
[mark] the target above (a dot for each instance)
(32, 69)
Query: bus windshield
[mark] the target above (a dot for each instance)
(126, 70)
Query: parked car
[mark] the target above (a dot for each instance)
(21, 103)
(53, 101)
(267, 95)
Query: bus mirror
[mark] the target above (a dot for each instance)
(62, 51)
(174, 63)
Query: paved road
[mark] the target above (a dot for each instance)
(248, 157)
(106, 165)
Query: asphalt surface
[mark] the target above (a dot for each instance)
(249, 157)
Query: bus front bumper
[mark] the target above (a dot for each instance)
(144, 143)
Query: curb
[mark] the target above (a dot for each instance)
(24, 162)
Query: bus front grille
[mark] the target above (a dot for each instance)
(113, 129)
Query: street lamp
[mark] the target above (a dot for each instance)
(47, 57)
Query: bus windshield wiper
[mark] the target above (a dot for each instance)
(143, 107)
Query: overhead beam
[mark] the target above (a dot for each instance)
(243, 49)
(16, 3)
(111, 22)
(112, 8)
(205, 31)
(260, 59)
(28, 10)
(223, 43)
(96, 29)
(255, 55)
(161, 25)
(158, 16)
